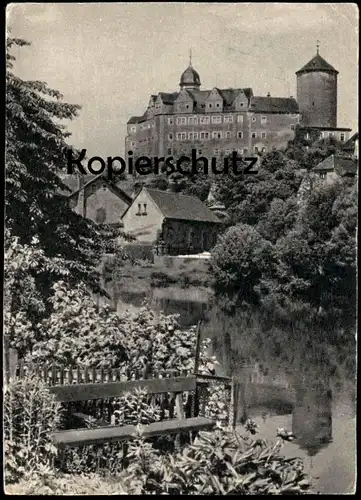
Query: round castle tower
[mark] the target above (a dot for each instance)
(317, 93)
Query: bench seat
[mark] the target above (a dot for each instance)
(112, 433)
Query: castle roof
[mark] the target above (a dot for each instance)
(168, 98)
(136, 119)
(317, 63)
(283, 105)
(181, 207)
(190, 77)
(274, 105)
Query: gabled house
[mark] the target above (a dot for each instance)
(182, 224)
(336, 166)
(97, 198)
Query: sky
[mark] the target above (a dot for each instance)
(111, 57)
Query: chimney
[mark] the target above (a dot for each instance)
(268, 94)
(81, 196)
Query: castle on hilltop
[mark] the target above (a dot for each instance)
(218, 121)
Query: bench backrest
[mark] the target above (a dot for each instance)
(87, 392)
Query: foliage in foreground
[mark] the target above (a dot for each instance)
(31, 414)
(217, 463)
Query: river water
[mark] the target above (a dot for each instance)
(323, 420)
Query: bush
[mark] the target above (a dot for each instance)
(217, 463)
(140, 251)
(51, 483)
(31, 414)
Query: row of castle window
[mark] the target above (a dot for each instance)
(202, 120)
(226, 152)
(205, 120)
(183, 136)
(216, 134)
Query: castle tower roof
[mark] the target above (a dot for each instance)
(190, 78)
(317, 63)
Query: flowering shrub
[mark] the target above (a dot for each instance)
(51, 483)
(134, 409)
(217, 463)
(79, 333)
(31, 414)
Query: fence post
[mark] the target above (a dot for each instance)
(196, 366)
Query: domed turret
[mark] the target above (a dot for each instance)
(317, 93)
(190, 78)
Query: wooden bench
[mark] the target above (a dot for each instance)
(112, 433)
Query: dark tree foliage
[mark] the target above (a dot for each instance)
(36, 140)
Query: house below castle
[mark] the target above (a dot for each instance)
(98, 199)
(175, 223)
(337, 166)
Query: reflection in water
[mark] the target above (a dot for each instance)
(269, 392)
(312, 415)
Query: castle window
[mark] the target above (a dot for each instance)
(263, 135)
(307, 136)
(144, 209)
(199, 151)
(239, 134)
(323, 175)
(170, 121)
(228, 135)
(256, 149)
(228, 119)
(217, 134)
(133, 129)
(209, 105)
(342, 137)
(169, 151)
(227, 152)
(192, 120)
(139, 209)
(254, 135)
(132, 144)
(181, 136)
(204, 135)
(292, 127)
(170, 137)
(254, 118)
(181, 120)
(242, 104)
(187, 106)
(217, 105)
(263, 120)
(204, 119)
(216, 119)
(240, 118)
(216, 152)
(193, 135)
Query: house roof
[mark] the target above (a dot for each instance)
(181, 207)
(317, 63)
(274, 105)
(112, 186)
(343, 166)
(350, 144)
